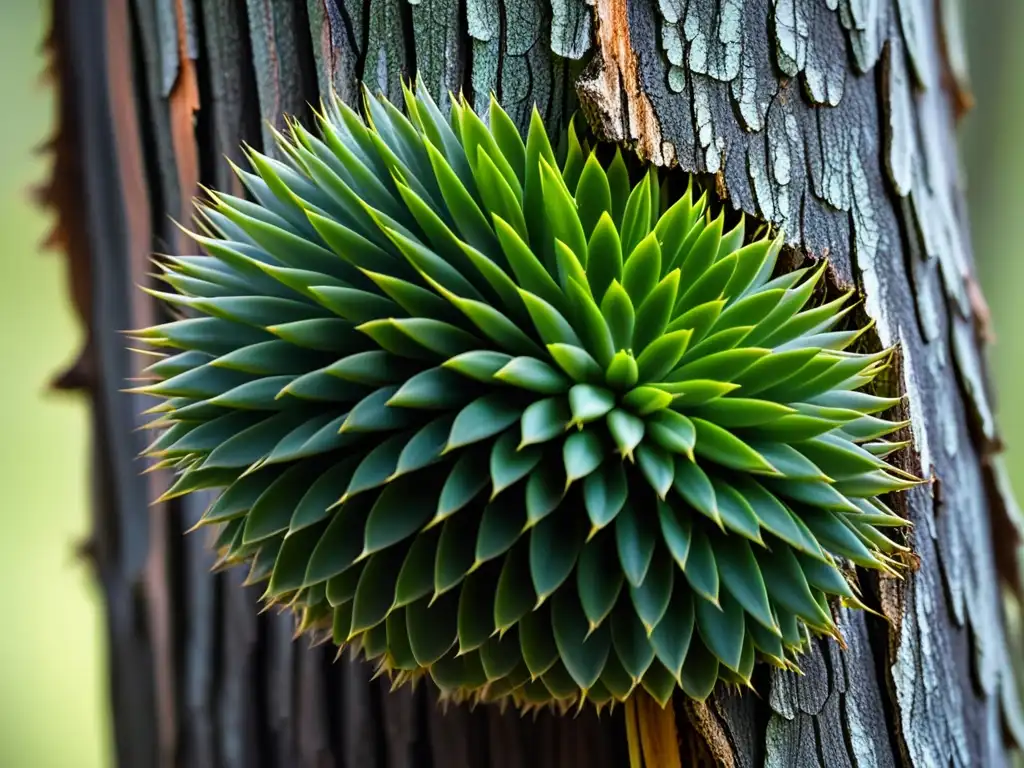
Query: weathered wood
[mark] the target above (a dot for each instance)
(832, 119)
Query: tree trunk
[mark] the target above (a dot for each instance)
(834, 119)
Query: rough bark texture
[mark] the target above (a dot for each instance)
(834, 119)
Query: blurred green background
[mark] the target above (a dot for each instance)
(52, 663)
(52, 680)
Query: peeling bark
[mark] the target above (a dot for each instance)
(832, 119)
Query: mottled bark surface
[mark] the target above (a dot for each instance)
(834, 119)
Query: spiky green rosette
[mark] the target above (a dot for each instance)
(515, 422)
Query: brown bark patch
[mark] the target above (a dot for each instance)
(708, 727)
(183, 103)
(610, 91)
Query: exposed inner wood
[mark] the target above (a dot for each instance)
(610, 92)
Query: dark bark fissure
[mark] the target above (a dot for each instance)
(832, 123)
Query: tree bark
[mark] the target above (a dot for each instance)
(834, 119)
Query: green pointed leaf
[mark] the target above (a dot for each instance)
(342, 588)
(268, 358)
(788, 588)
(250, 445)
(373, 414)
(471, 222)
(432, 627)
(604, 494)
(700, 569)
(509, 464)
(839, 539)
(589, 323)
(671, 637)
(293, 557)
(659, 683)
(651, 598)
(534, 204)
(677, 530)
(736, 514)
(562, 219)
(529, 271)
(534, 375)
(570, 268)
(553, 553)
(629, 639)
(741, 578)
(467, 478)
(507, 139)
(645, 400)
(426, 446)
(582, 453)
(693, 484)
(776, 518)
(416, 577)
(239, 497)
(627, 431)
(398, 648)
(377, 466)
(593, 194)
(480, 365)
(732, 412)
(588, 403)
(544, 420)
(699, 320)
(537, 641)
(636, 219)
(375, 368)
(623, 371)
(724, 448)
(496, 326)
(754, 264)
(635, 541)
(724, 366)
(672, 431)
(514, 597)
(544, 491)
(502, 523)
(825, 576)
(710, 286)
(549, 322)
(272, 512)
(662, 355)
(401, 509)
(375, 589)
(653, 315)
(657, 467)
(700, 671)
(497, 195)
(576, 362)
(583, 652)
(698, 259)
(500, 655)
(574, 158)
(483, 418)
(604, 256)
(618, 312)
(315, 504)
(434, 388)
(597, 584)
(642, 271)
(454, 554)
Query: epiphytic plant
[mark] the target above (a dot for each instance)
(517, 423)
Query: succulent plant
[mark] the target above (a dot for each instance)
(516, 421)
